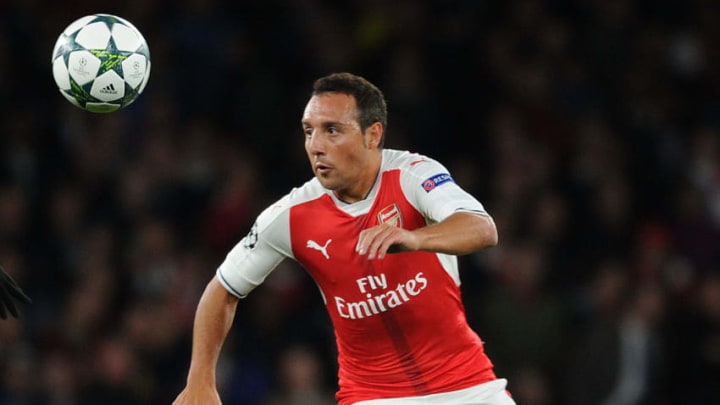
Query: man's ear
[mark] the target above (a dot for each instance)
(374, 135)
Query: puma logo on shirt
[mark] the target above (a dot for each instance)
(323, 249)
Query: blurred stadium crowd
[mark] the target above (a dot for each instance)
(589, 129)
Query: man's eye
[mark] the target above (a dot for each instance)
(307, 131)
(333, 130)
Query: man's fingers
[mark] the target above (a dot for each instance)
(384, 242)
(381, 241)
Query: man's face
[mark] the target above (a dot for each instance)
(340, 154)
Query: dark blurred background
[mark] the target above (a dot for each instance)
(589, 129)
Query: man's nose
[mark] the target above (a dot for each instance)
(315, 144)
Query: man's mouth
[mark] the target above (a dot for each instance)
(322, 168)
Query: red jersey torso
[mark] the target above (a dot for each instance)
(399, 322)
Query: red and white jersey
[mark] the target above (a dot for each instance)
(399, 322)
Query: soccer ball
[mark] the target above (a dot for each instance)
(101, 63)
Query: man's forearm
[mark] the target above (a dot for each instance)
(213, 319)
(459, 234)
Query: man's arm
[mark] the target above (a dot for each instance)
(213, 318)
(459, 234)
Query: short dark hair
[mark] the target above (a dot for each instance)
(369, 99)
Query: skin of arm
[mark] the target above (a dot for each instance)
(459, 234)
(213, 319)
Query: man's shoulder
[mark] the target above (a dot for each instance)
(411, 165)
(397, 159)
(311, 190)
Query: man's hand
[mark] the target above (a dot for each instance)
(382, 239)
(198, 396)
(459, 234)
(10, 293)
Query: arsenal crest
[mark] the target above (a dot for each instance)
(391, 215)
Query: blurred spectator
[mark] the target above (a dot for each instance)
(522, 296)
(618, 360)
(697, 330)
(300, 380)
(59, 379)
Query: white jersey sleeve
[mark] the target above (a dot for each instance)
(257, 254)
(429, 186)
